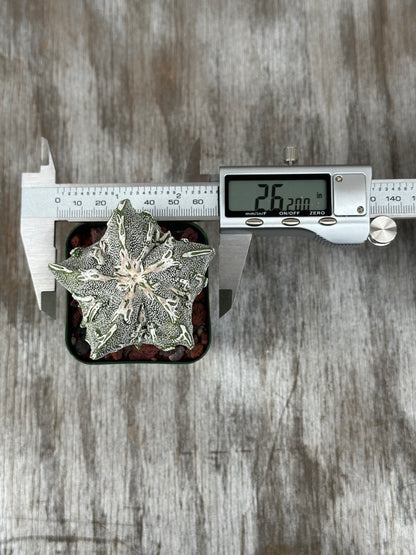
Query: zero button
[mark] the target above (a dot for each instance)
(327, 221)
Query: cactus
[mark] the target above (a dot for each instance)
(135, 285)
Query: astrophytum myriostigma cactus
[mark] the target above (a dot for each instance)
(136, 285)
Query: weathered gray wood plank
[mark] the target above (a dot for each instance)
(296, 433)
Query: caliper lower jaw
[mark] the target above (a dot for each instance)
(233, 249)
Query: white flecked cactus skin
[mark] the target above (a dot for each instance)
(136, 285)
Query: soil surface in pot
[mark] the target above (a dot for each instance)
(87, 234)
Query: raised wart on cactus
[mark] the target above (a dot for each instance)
(136, 285)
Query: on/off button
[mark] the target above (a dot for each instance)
(291, 222)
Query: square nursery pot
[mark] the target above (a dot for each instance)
(86, 234)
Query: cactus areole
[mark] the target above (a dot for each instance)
(136, 285)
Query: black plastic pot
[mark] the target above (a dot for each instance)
(86, 234)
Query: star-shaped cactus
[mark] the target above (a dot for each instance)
(136, 285)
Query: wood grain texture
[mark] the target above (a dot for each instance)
(297, 432)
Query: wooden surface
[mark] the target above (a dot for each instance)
(297, 432)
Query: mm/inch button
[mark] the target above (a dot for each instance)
(254, 222)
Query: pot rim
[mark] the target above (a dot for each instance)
(91, 362)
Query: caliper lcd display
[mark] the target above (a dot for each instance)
(278, 195)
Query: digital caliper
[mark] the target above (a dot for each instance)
(338, 204)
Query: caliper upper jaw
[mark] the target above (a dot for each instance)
(233, 249)
(38, 234)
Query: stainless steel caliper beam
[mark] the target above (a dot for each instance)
(44, 202)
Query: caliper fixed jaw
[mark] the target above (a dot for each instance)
(38, 234)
